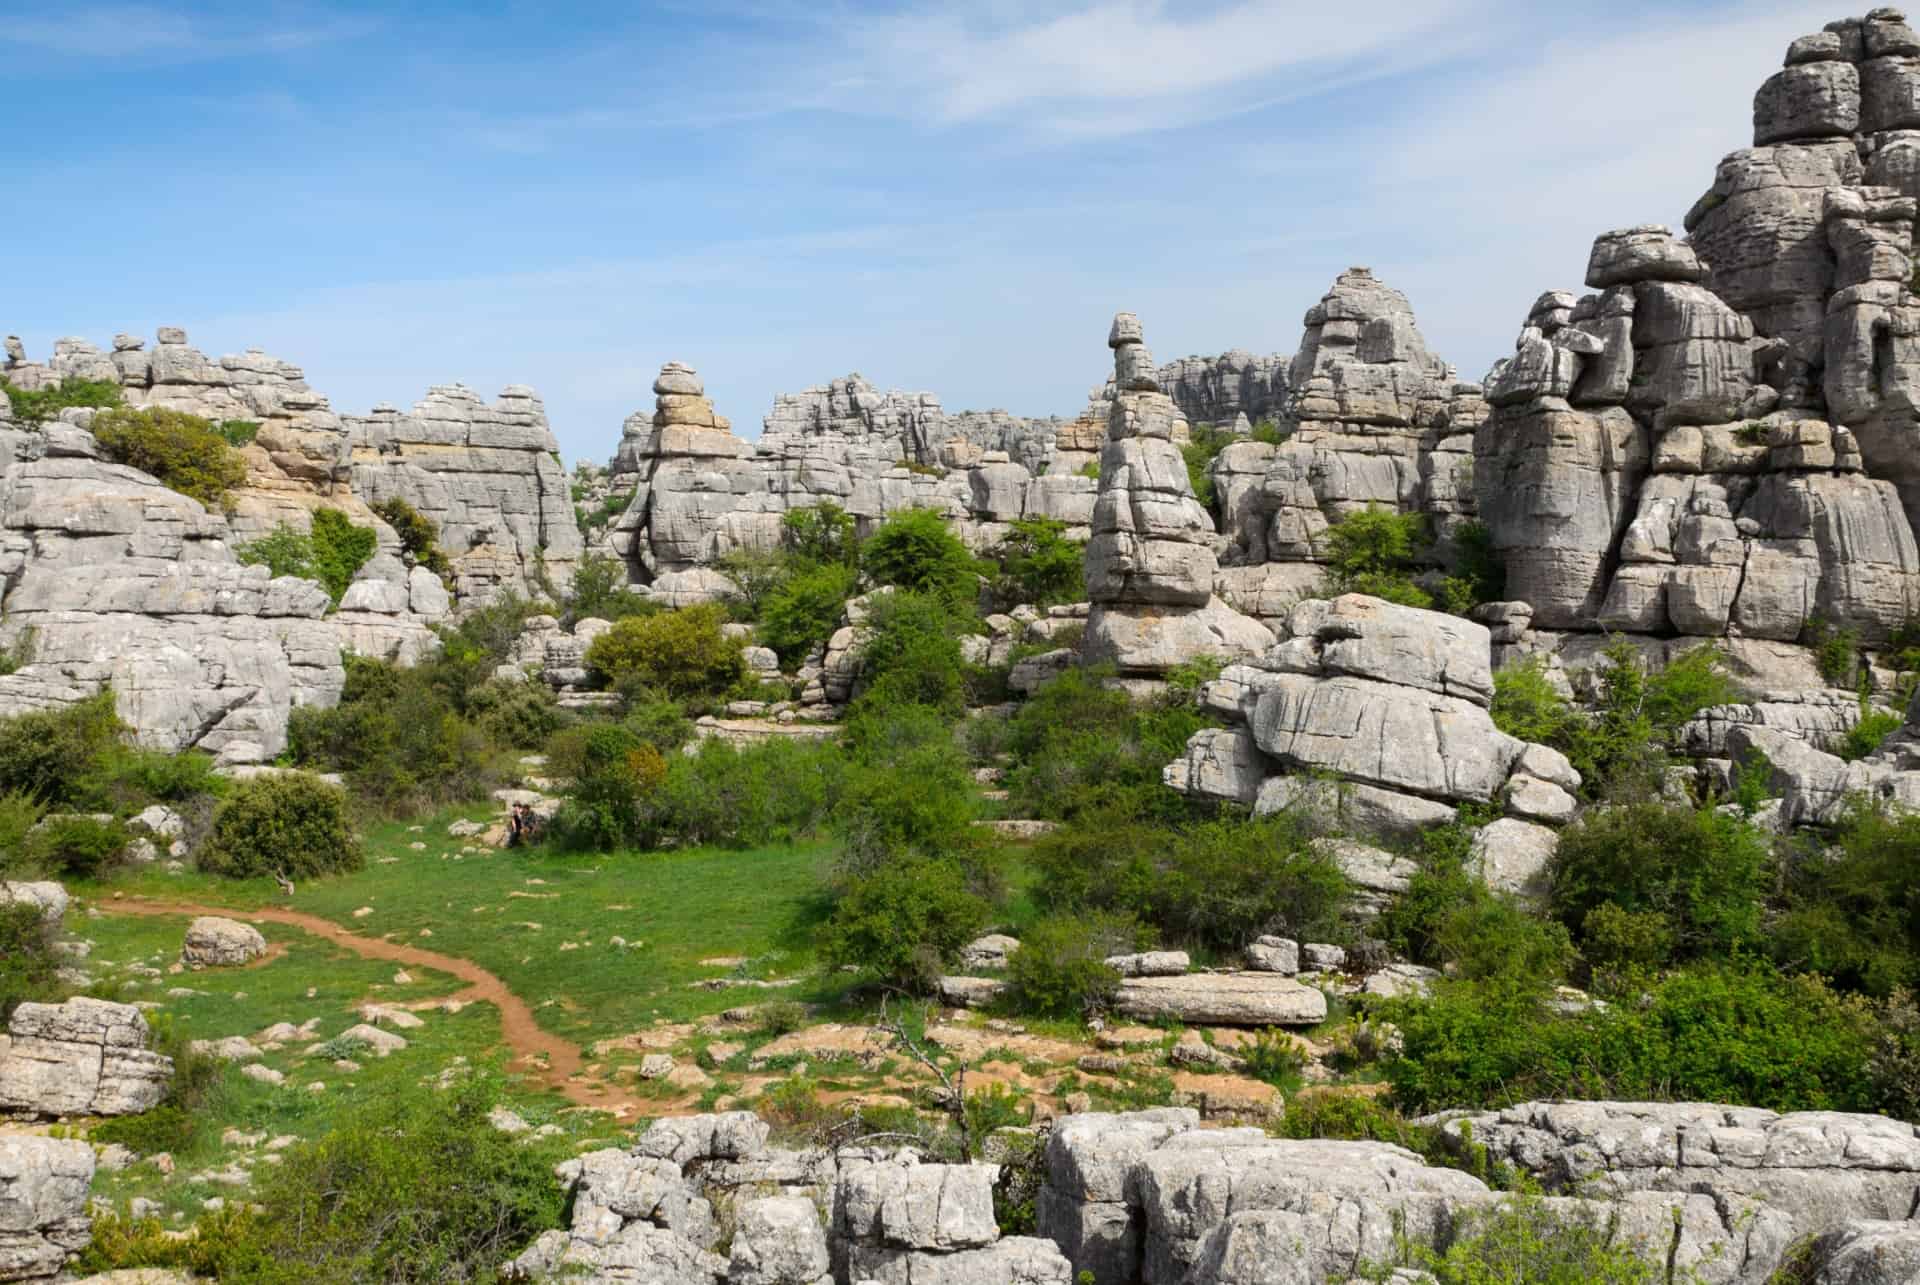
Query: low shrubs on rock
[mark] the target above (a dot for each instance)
(1527, 1240)
(33, 408)
(76, 844)
(917, 551)
(182, 451)
(398, 736)
(27, 962)
(1060, 968)
(1374, 552)
(50, 754)
(682, 654)
(600, 592)
(904, 920)
(332, 552)
(419, 537)
(291, 823)
(1848, 905)
(804, 610)
(1039, 565)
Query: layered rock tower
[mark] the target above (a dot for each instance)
(1150, 561)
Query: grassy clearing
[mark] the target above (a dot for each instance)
(545, 923)
(302, 978)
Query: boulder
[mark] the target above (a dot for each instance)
(1513, 856)
(49, 897)
(214, 942)
(778, 1240)
(81, 1057)
(1221, 999)
(43, 1204)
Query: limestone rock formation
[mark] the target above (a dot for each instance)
(1150, 562)
(43, 1204)
(1392, 699)
(214, 942)
(82, 1057)
(1234, 390)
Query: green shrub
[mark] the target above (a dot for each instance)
(919, 801)
(1203, 445)
(1217, 884)
(1524, 1240)
(1526, 705)
(19, 813)
(1060, 968)
(237, 432)
(419, 537)
(1867, 735)
(182, 451)
(1848, 908)
(904, 920)
(1039, 565)
(1836, 650)
(77, 845)
(803, 612)
(820, 534)
(682, 653)
(916, 551)
(1705, 873)
(1082, 750)
(1374, 551)
(1479, 574)
(750, 797)
(606, 768)
(27, 962)
(19, 653)
(291, 823)
(283, 551)
(1710, 1033)
(523, 715)
(340, 549)
(662, 724)
(910, 654)
(50, 754)
(600, 591)
(1621, 749)
(419, 1187)
(397, 735)
(33, 409)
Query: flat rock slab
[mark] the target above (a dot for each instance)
(1222, 999)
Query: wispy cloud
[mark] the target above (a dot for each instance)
(148, 31)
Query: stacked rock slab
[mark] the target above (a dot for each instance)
(1373, 420)
(697, 494)
(43, 1205)
(82, 1057)
(1235, 390)
(488, 475)
(1150, 561)
(1717, 441)
(1390, 702)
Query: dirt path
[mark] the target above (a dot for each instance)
(544, 1056)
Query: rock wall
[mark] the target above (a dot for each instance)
(488, 474)
(43, 1205)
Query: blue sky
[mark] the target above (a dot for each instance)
(952, 197)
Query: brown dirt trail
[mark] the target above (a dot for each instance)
(544, 1056)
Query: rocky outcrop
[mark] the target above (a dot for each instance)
(1235, 390)
(1392, 699)
(214, 942)
(1150, 562)
(83, 1057)
(43, 1205)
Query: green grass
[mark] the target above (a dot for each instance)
(244, 1001)
(672, 909)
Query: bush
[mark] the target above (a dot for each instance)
(28, 966)
(1373, 552)
(682, 653)
(290, 823)
(77, 845)
(904, 920)
(919, 801)
(182, 451)
(775, 792)
(910, 654)
(33, 409)
(820, 534)
(606, 768)
(19, 813)
(600, 592)
(1081, 750)
(332, 553)
(523, 715)
(1039, 565)
(237, 432)
(419, 537)
(1479, 575)
(1836, 650)
(1060, 969)
(1867, 735)
(1218, 884)
(1848, 909)
(1203, 445)
(397, 735)
(283, 551)
(914, 550)
(1526, 705)
(50, 754)
(1524, 1240)
(1710, 1033)
(1704, 873)
(803, 612)
(420, 1188)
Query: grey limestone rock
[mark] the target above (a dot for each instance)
(81, 1057)
(1512, 856)
(214, 942)
(43, 1205)
(778, 1240)
(1222, 999)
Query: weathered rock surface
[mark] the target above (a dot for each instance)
(43, 1205)
(1221, 999)
(82, 1057)
(214, 942)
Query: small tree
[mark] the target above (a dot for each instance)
(183, 451)
(1373, 552)
(290, 823)
(419, 537)
(682, 653)
(822, 532)
(915, 550)
(1038, 564)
